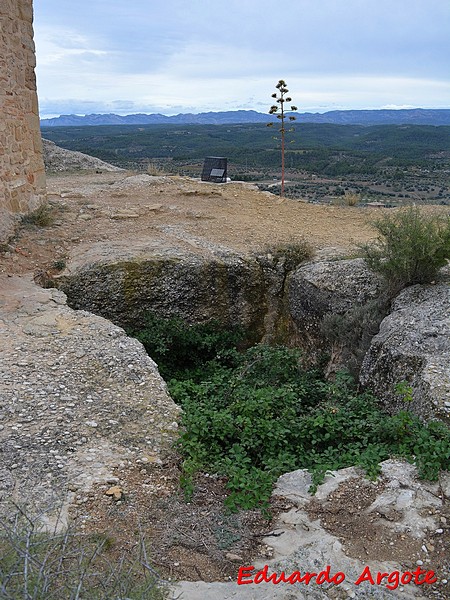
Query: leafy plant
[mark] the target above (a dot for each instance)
(411, 247)
(253, 415)
(177, 347)
(265, 416)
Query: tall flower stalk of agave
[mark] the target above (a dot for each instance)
(279, 110)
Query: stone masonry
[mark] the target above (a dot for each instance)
(22, 175)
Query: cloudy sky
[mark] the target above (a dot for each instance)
(172, 56)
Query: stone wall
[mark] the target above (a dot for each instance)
(22, 175)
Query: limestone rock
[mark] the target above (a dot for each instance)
(78, 400)
(326, 288)
(413, 346)
(59, 159)
(306, 540)
(124, 284)
(330, 286)
(115, 492)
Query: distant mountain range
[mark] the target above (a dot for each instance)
(415, 116)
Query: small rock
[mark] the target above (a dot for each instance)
(234, 557)
(116, 492)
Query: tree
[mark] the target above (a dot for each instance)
(280, 111)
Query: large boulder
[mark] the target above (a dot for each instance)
(123, 282)
(413, 349)
(79, 400)
(320, 290)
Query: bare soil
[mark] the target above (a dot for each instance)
(87, 208)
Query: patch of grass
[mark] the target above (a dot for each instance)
(35, 565)
(41, 217)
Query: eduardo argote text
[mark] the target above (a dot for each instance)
(390, 580)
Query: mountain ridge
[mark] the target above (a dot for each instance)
(415, 116)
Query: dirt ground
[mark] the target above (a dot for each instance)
(198, 540)
(87, 208)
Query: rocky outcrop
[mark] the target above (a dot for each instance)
(413, 349)
(78, 399)
(210, 283)
(394, 524)
(320, 290)
(58, 159)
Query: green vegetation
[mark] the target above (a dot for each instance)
(41, 217)
(38, 565)
(326, 149)
(184, 351)
(250, 416)
(387, 163)
(411, 247)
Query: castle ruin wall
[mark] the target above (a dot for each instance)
(22, 174)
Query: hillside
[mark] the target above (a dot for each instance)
(415, 116)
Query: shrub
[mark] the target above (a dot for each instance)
(251, 416)
(41, 217)
(265, 416)
(350, 334)
(352, 199)
(411, 247)
(178, 347)
(291, 254)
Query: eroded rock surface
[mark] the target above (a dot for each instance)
(351, 523)
(336, 288)
(77, 399)
(413, 346)
(59, 159)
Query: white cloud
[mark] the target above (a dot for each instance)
(179, 56)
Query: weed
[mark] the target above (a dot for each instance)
(293, 254)
(155, 170)
(352, 199)
(37, 565)
(404, 391)
(177, 347)
(265, 416)
(354, 330)
(59, 264)
(41, 217)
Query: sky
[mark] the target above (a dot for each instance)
(181, 56)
